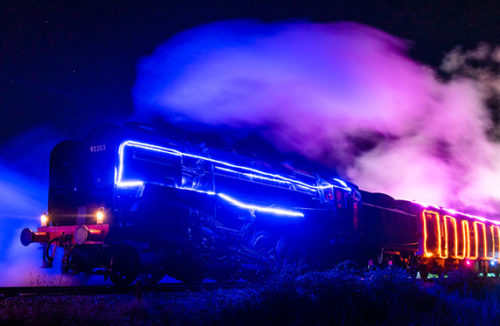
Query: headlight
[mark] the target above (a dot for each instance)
(44, 219)
(99, 215)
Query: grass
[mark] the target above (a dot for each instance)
(344, 295)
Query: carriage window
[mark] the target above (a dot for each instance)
(152, 166)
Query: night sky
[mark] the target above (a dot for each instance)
(71, 66)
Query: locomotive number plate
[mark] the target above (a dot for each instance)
(98, 148)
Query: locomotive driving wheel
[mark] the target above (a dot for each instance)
(124, 264)
(266, 246)
(291, 254)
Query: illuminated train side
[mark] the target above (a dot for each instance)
(459, 237)
(125, 202)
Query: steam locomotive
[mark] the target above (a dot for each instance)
(128, 202)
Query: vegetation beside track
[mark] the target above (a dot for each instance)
(344, 295)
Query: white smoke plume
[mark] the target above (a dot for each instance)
(23, 198)
(342, 94)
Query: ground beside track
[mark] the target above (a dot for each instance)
(341, 296)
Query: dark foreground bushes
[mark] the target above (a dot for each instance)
(344, 295)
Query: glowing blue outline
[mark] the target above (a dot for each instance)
(270, 210)
(267, 176)
(237, 203)
(255, 176)
(342, 182)
(121, 149)
(250, 175)
(211, 193)
(132, 183)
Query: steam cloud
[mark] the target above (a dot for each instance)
(345, 95)
(21, 201)
(23, 197)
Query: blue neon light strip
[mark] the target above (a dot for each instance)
(119, 182)
(269, 210)
(255, 176)
(237, 203)
(342, 182)
(121, 150)
(259, 174)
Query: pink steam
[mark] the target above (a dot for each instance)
(343, 94)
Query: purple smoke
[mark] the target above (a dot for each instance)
(343, 94)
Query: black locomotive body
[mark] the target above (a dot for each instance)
(127, 201)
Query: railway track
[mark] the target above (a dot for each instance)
(136, 289)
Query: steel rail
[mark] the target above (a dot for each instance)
(134, 289)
